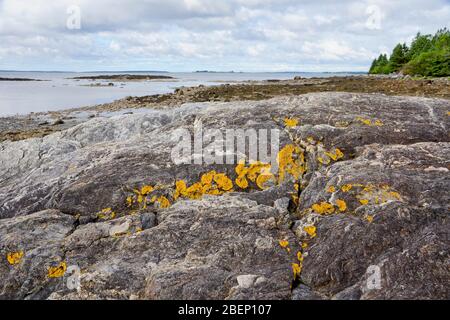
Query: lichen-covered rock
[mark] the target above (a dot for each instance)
(101, 211)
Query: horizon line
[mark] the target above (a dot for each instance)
(164, 71)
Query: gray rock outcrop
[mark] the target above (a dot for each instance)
(370, 224)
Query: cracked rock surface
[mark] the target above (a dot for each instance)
(394, 179)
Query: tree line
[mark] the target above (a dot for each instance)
(428, 55)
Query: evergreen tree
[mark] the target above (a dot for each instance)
(421, 43)
(398, 58)
(427, 56)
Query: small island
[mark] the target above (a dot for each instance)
(19, 79)
(124, 77)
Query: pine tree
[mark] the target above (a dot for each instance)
(398, 58)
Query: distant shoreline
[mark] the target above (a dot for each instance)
(20, 79)
(39, 124)
(123, 77)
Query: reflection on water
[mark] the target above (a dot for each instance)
(59, 92)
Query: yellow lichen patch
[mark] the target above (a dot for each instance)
(241, 169)
(295, 199)
(106, 214)
(145, 190)
(372, 194)
(323, 208)
(208, 178)
(331, 189)
(242, 182)
(180, 189)
(291, 161)
(211, 183)
(311, 231)
(304, 245)
(130, 201)
(299, 256)
(346, 187)
(311, 140)
(195, 191)
(223, 182)
(379, 123)
(342, 124)
(14, 257)
(364, 202)
(291, 122)
(296, 270)
(58, 271)
(395, 195)
(369, 218)
(284, 244)
(163, 202)
(341, 205)
(256, 172)
(336, 155)
(263, 179)
(369, 122)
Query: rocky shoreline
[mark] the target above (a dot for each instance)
(95, 208)
(40, 124)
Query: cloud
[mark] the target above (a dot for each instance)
(186, 35)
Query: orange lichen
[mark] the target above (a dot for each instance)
(14, 257)
(341, 205)
(311, 230)
(291, 122)
(163, 202)
(257, 172)
(180, 189)
(346, 187)
(364, 202)
(336, 155)
(291, 161)
(296, 270)
(145, 190)
(331, 189)
(284, 243)
(242, 182)
(223, 182)
(208, 178)
(58, 271)
(323, 208)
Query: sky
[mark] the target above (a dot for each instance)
(217, 35)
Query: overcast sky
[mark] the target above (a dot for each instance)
(189, 35)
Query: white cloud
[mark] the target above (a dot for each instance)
(209, 34)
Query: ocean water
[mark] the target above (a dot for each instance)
(59, 92)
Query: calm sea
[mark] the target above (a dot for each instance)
(60, 92)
